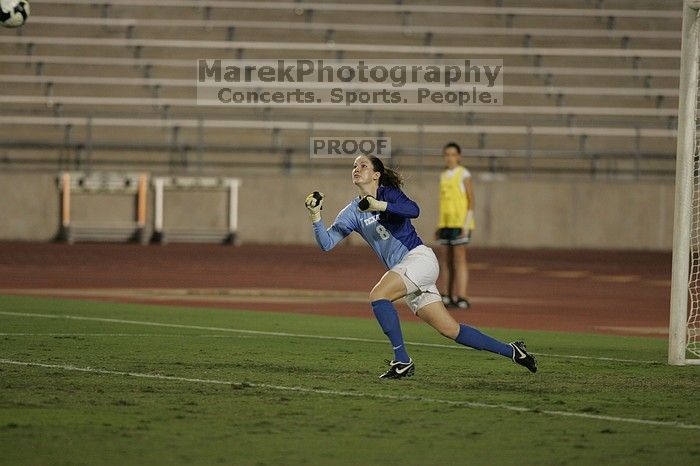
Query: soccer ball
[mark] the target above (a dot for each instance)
(13, 13)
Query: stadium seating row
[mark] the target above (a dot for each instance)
(587, 79)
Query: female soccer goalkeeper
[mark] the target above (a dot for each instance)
(382, 215)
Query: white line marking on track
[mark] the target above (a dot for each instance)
(237, 295)
(469, 404)
(178, 335)
(297, 335)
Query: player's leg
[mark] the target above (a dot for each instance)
(425, 302)
(442, 279)
(450, 273)
(461, 276)
(390, 288)
(435, 315)
(466, 271)
(445, 278)
(419, 268)
(445, 261)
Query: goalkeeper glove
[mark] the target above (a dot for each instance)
(314, 204)
(369, 203)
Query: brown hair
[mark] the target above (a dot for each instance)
(388, 177)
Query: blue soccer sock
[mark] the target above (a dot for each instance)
(469, 336)
(388, 319)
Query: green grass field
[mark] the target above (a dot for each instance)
(202, 387)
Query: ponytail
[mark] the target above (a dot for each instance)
(391, 178)
(388, 176)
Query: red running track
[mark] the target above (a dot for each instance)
(578, 291)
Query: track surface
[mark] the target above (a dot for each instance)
(579, 291)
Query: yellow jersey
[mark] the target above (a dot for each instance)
(453, 198)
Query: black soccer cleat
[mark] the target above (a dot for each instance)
(399, 370)
(522, 357)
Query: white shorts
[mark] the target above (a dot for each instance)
(419, 271)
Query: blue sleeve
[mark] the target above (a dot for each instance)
(342, 227)
(399, 204)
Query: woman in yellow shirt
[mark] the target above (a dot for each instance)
(455, 226)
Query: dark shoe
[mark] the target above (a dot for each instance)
(399, 370)
(462, 303)
(447, 300)
(522, 357)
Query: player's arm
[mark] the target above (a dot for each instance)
(397, 203)
(326, 238)
(469, 192)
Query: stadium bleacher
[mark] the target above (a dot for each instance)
(111, 83)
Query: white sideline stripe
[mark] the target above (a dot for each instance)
(469, 404)
(295, 335)
(119, 335)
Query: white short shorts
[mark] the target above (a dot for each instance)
(419, 271)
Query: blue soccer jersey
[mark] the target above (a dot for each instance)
(389, 233)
